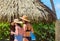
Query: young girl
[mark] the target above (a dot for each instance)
(18, 34)
(27, 28)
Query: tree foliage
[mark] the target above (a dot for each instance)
(44, 32)
(4, 31)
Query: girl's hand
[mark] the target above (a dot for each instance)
(12, 32)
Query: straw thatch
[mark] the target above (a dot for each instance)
(35, 10)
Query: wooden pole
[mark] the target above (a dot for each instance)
(53, 7)
(52, 4)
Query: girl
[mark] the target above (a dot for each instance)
(27, 28)
(18, 34)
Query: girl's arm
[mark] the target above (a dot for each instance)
(16, 31)
(24, 27)
(32, 29)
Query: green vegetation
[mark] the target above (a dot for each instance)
(4, 31)
(43, 31)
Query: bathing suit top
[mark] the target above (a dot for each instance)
(28, 27)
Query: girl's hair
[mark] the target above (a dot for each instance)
(26, 22)
(19, 24)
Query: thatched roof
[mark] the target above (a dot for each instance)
(35, 10)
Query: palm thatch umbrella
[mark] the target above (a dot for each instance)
(35, 10)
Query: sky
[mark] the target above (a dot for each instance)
(56, 4)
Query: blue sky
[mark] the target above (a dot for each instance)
(57, 6)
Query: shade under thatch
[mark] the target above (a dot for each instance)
(35, 10)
